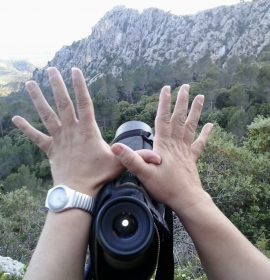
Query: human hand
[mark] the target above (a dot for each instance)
(175, 181)
(78, 155)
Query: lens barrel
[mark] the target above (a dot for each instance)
(125, 225)
(133, 125)
(124, 228)
(125, 241)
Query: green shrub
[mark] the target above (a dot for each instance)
(21, 221)
(6, 276)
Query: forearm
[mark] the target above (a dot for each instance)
(60, 253)
(225, 253)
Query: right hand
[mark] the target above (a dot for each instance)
(175, 182)
(78, 155)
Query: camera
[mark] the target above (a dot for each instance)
(131, 234)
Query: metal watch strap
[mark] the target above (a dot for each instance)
(83, 201)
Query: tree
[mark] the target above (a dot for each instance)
(258, 137)
(23, 177)
(263, 85)
(237, 123)
(238, 182)
(238, 96)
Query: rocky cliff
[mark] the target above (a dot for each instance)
(13, 74)
(11, 267)
(127, 38)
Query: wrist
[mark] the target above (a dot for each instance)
(61, 198)
(73, 218)
(85, 186)
(199, 216)
(190, 204)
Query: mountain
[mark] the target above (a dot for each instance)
(126, 39)
(12, 74)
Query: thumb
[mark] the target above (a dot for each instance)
(149, 156)
(198, 146)
(130, 159)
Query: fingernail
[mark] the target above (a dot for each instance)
(30, 85)
(14, 118)
(75, 72)
(186, 87)
(117, 149)
(52, 71)
(156, 159)
(200, 99)
(167, 89)
(210, 126)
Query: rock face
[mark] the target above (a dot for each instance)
(11, 266)
(12, 74)
(127, 37)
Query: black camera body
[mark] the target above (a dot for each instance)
(131, 234)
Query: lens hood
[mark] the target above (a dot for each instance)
(134, 241)
(133, 125)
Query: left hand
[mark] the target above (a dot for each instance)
(78, 155)
(175, 182)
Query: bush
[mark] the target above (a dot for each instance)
(21, 221)
(238, 182)
(6, 276)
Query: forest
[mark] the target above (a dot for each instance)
(235, 167)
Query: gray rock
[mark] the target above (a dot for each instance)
(11, 267)
(125, 37)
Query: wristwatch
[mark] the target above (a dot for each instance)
(61, 198)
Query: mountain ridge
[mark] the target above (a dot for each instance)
(13, 73)
(127, 38)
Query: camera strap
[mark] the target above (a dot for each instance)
(165, 269)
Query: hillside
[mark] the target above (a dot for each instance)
(125, 39)
(13, 74)
(223, 53)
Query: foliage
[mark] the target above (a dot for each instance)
(23, 177)
(258, 140)
(192, 271)
(263, 245)
(16, 150)
(6, 276)
(234, 169)
(238, 180)
(21, 220)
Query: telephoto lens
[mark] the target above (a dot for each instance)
(125, 230)
(125, 225)
(128, 224)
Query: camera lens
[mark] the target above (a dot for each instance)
(125, 225)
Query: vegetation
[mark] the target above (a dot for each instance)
(234, 169)
(6, 276)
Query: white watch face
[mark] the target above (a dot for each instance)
(58, 199)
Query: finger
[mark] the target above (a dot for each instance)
(193, 119)
(131, 160)
(180, 111)
(42, 140)
(46, 113)
(62, 99)
(163, 112)
(149, 156)
(85, 106)
(198, 146)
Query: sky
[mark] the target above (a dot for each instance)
(35, 29)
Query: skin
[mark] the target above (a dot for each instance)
(225, 253)
(80, 159)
